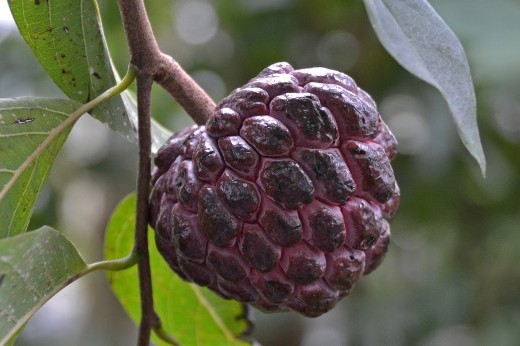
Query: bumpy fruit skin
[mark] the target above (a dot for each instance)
(281, 200)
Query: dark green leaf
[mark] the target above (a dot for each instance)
(29, 143)
(33, 267)
(191, 314)
(67, 38)
(417, 37)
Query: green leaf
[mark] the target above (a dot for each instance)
(68, 40)
(33, 267)
(31, 135)
(191, 314)
(417, 37)
(14, 336)
(159, 134)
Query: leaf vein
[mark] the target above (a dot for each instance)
(203, 301)
(20, 134)
(18, 273)
(13, 215)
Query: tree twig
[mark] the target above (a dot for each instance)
(180, 85)
(146, 55)
(148, 316)
(153, 65)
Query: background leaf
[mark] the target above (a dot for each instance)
(159, 133)
(193, 315)
(25, 123)
(417, 37)
(67, 38)
(33, 267)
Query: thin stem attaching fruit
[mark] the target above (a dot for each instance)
(146, 55)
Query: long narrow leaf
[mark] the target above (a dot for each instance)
(417, 37)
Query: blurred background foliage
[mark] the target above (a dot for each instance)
(451, 276)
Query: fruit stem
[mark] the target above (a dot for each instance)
(188, 93)
(162, 68)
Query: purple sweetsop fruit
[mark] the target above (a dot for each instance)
(281, 200)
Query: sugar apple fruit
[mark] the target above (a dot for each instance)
(281, 200)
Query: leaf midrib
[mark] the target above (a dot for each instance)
(218, 321)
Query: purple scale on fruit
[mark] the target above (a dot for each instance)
(224, 122)
(329, 172)
(311, 124)
(246, 102)
(267, 135)
(285, 182)
(261, 252)
(282, 226)
(239, 155)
